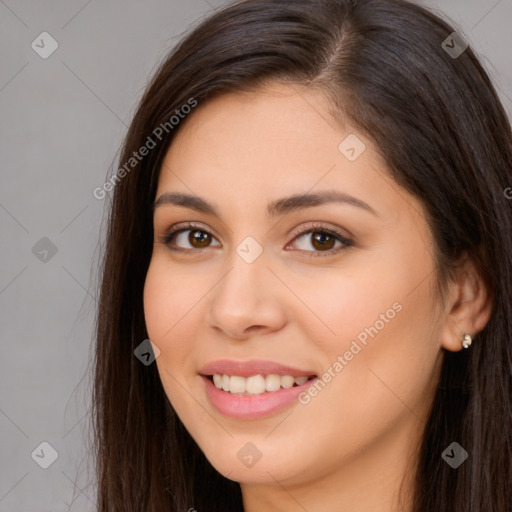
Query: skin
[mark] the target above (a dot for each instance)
(354, 443)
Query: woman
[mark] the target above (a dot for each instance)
(310, 223)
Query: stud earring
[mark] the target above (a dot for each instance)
(466, 341)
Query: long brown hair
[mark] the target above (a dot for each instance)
(445, 137)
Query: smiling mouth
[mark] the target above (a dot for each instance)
(257, 384)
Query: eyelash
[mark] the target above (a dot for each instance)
(315, 228)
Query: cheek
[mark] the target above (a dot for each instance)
(379, 317)
(345, 302)
(169, 296)
(169, 300)
(379, 371)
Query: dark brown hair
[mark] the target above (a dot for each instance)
(445, 137)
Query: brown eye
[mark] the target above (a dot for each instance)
(197, 238)
(320, 241)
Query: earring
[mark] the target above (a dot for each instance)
(466, 341)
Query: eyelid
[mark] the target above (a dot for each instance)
(186, 225)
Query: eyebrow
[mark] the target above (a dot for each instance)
(275, 208)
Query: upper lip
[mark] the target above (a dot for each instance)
(252, 367)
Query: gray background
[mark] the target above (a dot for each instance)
(62, 121)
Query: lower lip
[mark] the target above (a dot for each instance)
(252, 406)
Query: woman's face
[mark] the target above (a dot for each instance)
(264, 289)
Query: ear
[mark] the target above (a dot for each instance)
(468, 307)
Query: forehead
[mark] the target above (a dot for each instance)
(267, 133)
(276, 141)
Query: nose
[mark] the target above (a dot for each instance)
(246, 300)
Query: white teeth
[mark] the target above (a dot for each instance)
(300, 380)
(256, 384)
(217, 380)
(236, 384)
(272, 382)
(287, 381)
